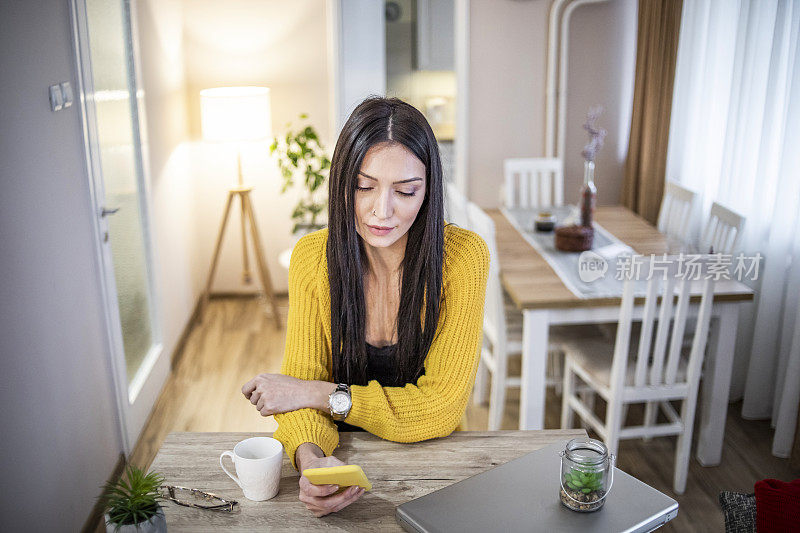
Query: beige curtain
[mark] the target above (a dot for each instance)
(656, 54)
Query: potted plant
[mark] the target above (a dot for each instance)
(302, 156)
(131, 504)
(587, 474)
(583, 490)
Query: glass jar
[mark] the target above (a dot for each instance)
(587, 474)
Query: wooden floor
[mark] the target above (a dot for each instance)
(237, 340)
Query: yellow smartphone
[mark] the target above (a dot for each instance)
(344, 476)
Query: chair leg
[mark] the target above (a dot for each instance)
(614, 422)
(684, 444)
(555, 369)
(481, 384)
(566, 394)
(650, 412)
(497, 399)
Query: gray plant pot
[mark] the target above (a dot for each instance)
(156, 524)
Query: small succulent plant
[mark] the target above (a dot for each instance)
(584, 482)
(133, 500)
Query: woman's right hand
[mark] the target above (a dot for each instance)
(320, 499)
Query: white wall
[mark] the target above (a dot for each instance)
(252, 42)
(160, 30)
(602, 64)
(161, 48)
(60, 439)
(262, 42)
(508, 47)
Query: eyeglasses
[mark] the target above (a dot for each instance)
(196, 498)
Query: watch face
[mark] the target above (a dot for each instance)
(340, 402)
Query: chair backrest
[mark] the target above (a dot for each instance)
(675, 214)
(494, 321)
(533, 182)
(656, 361)
(455, 206)
(723, 230)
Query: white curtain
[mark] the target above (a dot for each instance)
(735, 138)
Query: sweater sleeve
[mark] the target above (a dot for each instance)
(435, 405)
(306, 355)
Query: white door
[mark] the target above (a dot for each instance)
(114, 129)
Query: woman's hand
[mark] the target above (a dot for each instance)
(320, 499)
(276, 393)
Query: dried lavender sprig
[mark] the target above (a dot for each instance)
(596, 134)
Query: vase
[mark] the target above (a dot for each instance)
(156, 524)
(588, 194)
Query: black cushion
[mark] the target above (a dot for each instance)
(739, 510)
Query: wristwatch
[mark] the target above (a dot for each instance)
(340, 402)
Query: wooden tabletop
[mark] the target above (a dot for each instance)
(398, 472)
(533, 284)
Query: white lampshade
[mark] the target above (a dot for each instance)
(235, 114)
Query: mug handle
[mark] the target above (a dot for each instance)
(233, 477)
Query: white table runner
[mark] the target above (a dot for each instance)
(566, 265)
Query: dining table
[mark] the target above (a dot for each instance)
(545, 300)
(399, 472)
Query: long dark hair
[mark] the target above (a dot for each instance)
(379, 120)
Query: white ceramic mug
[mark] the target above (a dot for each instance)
(258, 463)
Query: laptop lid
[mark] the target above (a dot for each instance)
(522, 495)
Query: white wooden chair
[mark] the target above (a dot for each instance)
(533, 182)
(674, 220)
(630, 372)
(502, 330)
(455, 206)
(677, 206)
(723, 230)
(497, 345)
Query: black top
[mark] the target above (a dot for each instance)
(380, 367)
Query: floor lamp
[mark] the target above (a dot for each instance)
(236, 115)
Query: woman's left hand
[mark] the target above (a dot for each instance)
(277, 393)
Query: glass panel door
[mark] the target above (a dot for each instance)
(118, 143)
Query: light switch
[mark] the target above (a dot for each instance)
(56, 98)
(66, 93)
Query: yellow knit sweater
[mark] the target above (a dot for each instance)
(431, 408)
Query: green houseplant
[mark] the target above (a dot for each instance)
(131, 503)
(301, 156)
(583, 490)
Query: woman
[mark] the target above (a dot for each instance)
(366, 349)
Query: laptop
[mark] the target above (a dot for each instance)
(522, 495)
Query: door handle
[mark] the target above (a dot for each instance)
(106, 211)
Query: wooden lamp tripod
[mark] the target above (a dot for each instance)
(238, 114)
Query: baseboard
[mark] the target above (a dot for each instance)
(95, 521)
(177, 353)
